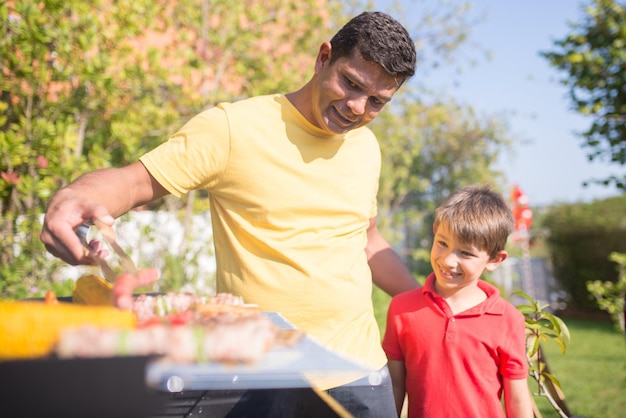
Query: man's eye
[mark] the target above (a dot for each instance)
(351, 84)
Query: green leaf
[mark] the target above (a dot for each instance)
(552, 378)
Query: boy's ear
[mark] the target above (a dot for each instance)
(496, 260)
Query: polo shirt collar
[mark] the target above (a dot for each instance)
(493, 305)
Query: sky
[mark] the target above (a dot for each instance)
(548, 162)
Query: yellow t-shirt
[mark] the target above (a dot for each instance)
(290, 207)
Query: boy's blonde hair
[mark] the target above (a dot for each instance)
(477, 215)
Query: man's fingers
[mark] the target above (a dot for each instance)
(59, 229)
(103, 216)
(147, 276)
(64, 244)
(126, 284)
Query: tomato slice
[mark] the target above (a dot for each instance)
(176, 318)
(179, 318)
(155, 320)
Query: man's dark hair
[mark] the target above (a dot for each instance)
(379, 38)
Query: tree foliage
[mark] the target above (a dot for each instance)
(593, 60)
(87, 85)
(68, 74)
(610, 296)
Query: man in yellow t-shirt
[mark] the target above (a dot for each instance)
(292, 181)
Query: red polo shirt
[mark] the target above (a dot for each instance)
(455, 363)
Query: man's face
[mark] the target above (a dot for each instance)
(349, 93)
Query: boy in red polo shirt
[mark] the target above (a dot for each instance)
(455, 345)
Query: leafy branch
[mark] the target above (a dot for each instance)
(542, 326)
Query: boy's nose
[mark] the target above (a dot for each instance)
(450, 259)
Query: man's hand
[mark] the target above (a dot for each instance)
(126, 284)
(65, 213)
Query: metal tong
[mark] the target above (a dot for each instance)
(110, 237)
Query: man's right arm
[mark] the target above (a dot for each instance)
(103, 194)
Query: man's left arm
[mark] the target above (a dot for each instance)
(388, 271)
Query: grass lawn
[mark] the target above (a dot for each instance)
(592, 372)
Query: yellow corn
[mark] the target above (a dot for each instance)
(31, 329)
(93, 290)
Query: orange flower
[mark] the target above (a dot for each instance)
(10, 177)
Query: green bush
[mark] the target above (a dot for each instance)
(581, 237)
(610, 296)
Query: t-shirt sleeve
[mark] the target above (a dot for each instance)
(374, 207)
(514, 364)
(391, 343)
(194, 157)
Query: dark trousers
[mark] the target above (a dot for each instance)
(370, 397)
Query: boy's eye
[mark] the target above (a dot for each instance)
(468, 254)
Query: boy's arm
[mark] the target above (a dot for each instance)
(517, 400)
(398, 376)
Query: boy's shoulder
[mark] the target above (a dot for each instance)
(408, 299)
(410, 294)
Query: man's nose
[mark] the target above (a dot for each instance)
(357, 104)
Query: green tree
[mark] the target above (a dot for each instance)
(87, 85)
(593, 60)
(71, 90)
(235, 49)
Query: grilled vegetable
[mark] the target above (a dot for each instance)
(31, 329)
(51, 297)
(93, 290)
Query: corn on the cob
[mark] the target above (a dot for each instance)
(31, 329)
(93, 290)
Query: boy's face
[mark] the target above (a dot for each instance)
(457, 265)
(349, 93)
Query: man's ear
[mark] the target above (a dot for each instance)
(323, 56)
(496, 260)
